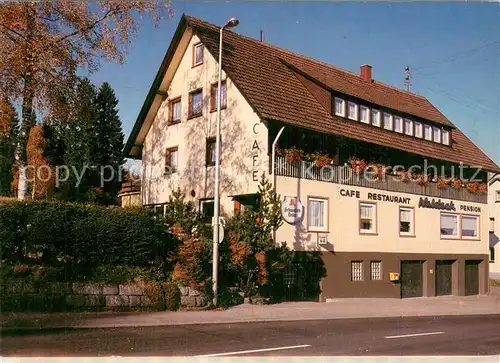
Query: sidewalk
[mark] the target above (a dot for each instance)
(336, 309)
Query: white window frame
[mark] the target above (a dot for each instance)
(428, 132)
(408, 126)
(492, 225)
(375, 118)
(195, 47)
(388, 117)
(398, 121)
(376, 274)
(476, 237)
(436, 134)
(342, 103)
(445, 136)
(419, 130)
(355, 105)
(323, 228)
(374, 218)
(411, 232)
(359, 264)
(447, 236)
(367, 109)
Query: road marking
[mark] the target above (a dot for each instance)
(414, 335)
(253, 351)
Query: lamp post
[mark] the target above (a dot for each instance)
(231, 23)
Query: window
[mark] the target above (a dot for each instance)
(376, 118)
(339, 107)
(437, 134)
(470, 226)
(419, 129)
(367, 218)
(365, 114)
(356, 270)
(175, 111)
(446, 137)
(406, 221)
(195, 103)
(398, 124)
(317, 213)
(449, 225)
(492, 225)
(387, 121)
(210, 152)
(428, 132)
(352, 111)
(408, 127)
(214, 94)
(207, 209)
(375, 270)
(197, 54)
(171, 160)
(492, 254)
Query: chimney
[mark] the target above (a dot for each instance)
(366, 72)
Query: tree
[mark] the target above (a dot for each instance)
(8, 130)
(108, 145)
(44, 43)
(39, 172)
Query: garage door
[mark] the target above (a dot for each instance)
(472, 277)
(443, 277)
(411, 279)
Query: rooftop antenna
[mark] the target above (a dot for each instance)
(262, 35)
(408, 78)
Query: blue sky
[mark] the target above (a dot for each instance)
(453, 48)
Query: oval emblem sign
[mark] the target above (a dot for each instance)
(292, 210)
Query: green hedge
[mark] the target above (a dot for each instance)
(81, 237)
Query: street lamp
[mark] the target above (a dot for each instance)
(231, 23)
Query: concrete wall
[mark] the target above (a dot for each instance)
(243, 136)
(494, 238)
(343, 222)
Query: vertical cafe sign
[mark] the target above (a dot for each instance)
(255, 153)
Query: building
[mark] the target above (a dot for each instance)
(386, 237)
(494, 210)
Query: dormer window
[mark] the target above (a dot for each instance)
(437, 134)
(446, 137)
(387, 121)
(339, 107)
(352, 112)
(197, 54)
(398, 124)
(408, 127)
(376, 118)
(364, 113)
(419, 129)
(428, 132)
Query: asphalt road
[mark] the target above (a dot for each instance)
(457, 335)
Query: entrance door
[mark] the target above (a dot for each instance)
(411, 279)
(443, 277)
(472, 277)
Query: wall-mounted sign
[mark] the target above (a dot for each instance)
(292, 210)
(351, 193)
(435, 204)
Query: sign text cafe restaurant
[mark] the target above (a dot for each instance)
(383, 244)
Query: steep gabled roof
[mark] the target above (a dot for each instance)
(294, 89)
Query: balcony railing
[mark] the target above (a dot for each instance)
(345, 175)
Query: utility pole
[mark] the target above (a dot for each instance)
(408, 78)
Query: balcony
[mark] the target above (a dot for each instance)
(344, 175)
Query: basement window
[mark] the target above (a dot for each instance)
(375, 270)
(356, 270)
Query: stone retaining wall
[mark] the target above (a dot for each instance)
(19, 295)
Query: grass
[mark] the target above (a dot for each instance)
(494, 282)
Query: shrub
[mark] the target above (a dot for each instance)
(55, 233)
(172, 296)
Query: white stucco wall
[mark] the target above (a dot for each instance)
(343, 222)
(243, 136)
(494, 238)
